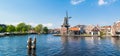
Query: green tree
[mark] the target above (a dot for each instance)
(45, 30)
(24, 29)
(1, 29)
(29, 27)
(102, 33)
(38, 28)
(21, 27)
(10, 28)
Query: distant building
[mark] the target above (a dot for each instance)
(51, 31)
(89, 28)
(95, 31)
(63, 30)
(77, 30)
(56, 31)
(74, 31)
(31, 31)
(107, 30)
(65, 26)
(92, 30)
(116, 28)
(81, 28)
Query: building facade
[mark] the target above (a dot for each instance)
(116, 28)
(107, 30)
(81, 28)
(89, 28)
(95, 31)
(74, 31)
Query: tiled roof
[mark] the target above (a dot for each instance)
(74, 29)
(107, 27)
(95, 29)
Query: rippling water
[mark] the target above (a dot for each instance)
(49, 45)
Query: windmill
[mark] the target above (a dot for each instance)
(65, 23)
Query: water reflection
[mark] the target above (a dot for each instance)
(34, 53)
(78, 40)
(116, 42)
(85, 46)
(31, 52)
(49, 45)
(65, 44)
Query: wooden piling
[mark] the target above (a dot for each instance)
(29, 43)
(33, 52)
(34, 44)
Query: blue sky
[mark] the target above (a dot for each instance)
(51, 12)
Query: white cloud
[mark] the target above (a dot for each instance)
(104, 2)
(49, 25)
(11, 23)
(75, 2)
(16, 23)
(31, 23)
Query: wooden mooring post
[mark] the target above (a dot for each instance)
(34, 44)
(31, 46)
(29, 43)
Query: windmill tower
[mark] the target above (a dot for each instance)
(65, 26)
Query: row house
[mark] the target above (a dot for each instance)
(92, 30)
(74, 31)
(81, 28)
(107, 30)
(56, 31)
(77, 30)
(116, 28)
(95, 31)
(88, 29)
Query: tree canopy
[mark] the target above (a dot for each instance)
(39, 28)
(22, 27)
(45, 30)
(10, 28)
(2, 29)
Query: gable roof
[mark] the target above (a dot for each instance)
(95, 29)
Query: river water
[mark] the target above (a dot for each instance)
(49, 45)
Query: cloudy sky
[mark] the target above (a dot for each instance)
(51, 12)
